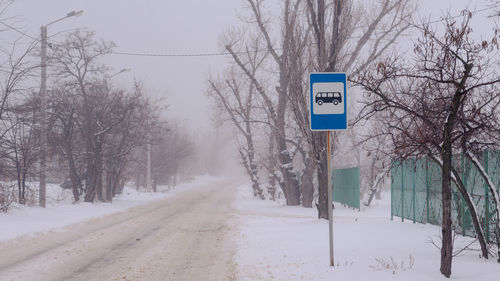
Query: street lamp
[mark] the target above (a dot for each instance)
(109, 77)
(43, 109)
(121, 71)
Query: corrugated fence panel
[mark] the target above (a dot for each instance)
(346, 186)
(396, 189)
(420, 191)
(416, 192)
(408, 188)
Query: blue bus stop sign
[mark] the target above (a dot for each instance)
(328, 99)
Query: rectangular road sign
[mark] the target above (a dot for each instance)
(328, 99)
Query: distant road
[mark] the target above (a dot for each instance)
(190, 236)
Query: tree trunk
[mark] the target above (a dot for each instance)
(373, 190)
(20, 198)
(155, 183)
(321, 157)
(98, 169)
(89, 145)
(446, 151)
(108, 185)
(307, 184)
(492, 190)
(90, 184)
(248, 156)
(446, 231)
(251, 168)
(470, 205)
(474, 215)
(174, 177)
(290, 183)
(73, 174)
(271, 162)
(292, 188)
(137, 181)
(117, 181)
(23, 185)
(326, 63)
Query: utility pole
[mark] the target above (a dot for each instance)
(43, 118)
(43, 109)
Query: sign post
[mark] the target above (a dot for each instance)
(330, 199)
(328, 101)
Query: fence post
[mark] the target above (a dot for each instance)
(392, 190)
(402, 192)
(427, 188)
(413, 187)
(487, 200)
(464, 180)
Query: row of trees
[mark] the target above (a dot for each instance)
(265, 91)
(17, 116)
(97, 132)
(442, 100)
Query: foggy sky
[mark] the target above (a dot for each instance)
(172, 27)
(165, 26)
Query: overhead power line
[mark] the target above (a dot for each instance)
(213, 54)
(170, 55)
(19, 31)
(141, 54)
(473, 12)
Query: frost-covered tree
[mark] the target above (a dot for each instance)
(343, 44)
(235, 97)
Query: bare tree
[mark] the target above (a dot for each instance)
(16, 135)
(237, 101)
(378, 152)
(439, 104)
(345, 45)
(128, 122)
(20, 144)
(172, 154)
(75, 64)
(277, 110)
(64, 124)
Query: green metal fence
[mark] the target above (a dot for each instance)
(346, 186)
(416, 192)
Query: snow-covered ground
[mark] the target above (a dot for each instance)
(60, 212)
(290, 243)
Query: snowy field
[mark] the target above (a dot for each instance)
(60, 211)
(290, 243)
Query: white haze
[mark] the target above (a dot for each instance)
(172, 27)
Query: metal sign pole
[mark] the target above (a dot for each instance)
(328, 109)
(330, 211)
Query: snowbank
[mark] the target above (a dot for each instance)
(290, 243)
(60, 211)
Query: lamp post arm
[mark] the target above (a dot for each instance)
(58, 20)
(70, 14)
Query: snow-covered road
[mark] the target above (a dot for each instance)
(185, 237)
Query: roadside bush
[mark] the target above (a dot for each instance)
(7, 196)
